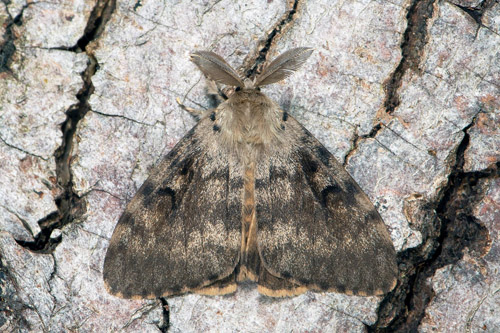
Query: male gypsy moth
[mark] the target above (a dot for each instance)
(249, 193)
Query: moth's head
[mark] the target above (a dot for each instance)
(217, 69)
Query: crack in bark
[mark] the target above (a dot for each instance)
(476, 13)
(357, 139)
(8, 48)
(11, 306)
(122, 117)
(284, 23)
(22, 150)
(412, 46)
(69, 205)
(166, 316)
(444, 241)
(472, 313)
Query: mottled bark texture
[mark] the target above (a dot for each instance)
(405, 93)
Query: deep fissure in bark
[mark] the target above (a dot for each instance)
(69, 204)
(279, 28)
(454, 227)
(454, 230)
(166, 315)
(7, 49)
(412, 47)
(476, 13)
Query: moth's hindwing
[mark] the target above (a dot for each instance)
(316, 228)
(182, 230)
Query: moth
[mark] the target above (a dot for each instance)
(249, 194)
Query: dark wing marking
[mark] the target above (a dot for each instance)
(316, 227)
(182, 230)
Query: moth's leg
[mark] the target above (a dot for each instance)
(217, 93)
(194, 112)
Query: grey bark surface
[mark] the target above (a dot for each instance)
(405, 93)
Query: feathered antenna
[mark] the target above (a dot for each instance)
(283, 66)
(216, 68)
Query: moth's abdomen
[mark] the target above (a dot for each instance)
(249, 257)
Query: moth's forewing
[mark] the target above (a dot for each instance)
(316, 227)
(182, 230)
